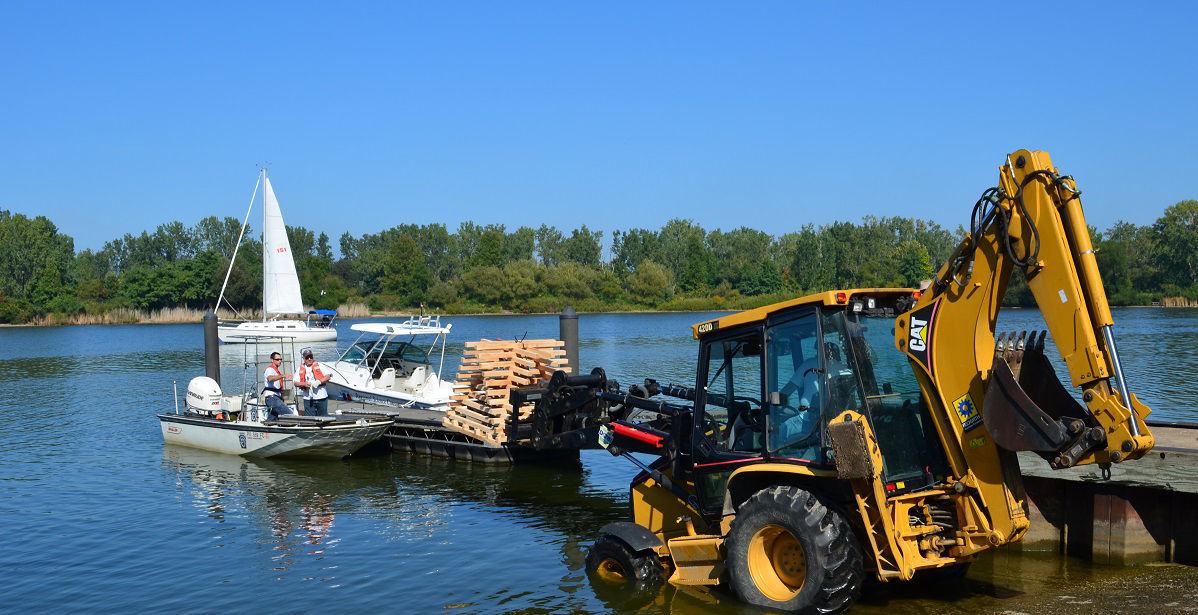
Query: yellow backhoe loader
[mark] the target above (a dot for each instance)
(866, 431)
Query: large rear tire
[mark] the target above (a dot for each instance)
(622, 577)
(789, 550)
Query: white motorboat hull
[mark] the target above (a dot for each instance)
(297, 330)
(383, 397)
(334, 439)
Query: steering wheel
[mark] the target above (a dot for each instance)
(750, 416)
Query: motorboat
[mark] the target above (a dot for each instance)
(239, 424)
(280, 284)
(391, 364)
(233, 425)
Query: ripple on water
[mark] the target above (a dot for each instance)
(101, 516)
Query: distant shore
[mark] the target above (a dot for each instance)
(175, 316)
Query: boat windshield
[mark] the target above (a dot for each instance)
(391, 353)
(355, 353)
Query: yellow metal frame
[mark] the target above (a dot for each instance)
(949, 337)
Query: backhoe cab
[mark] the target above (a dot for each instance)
(873, 431)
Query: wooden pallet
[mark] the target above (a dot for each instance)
(480, 405)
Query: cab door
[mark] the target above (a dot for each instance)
(728, 403)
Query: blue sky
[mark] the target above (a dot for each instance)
(118, 117)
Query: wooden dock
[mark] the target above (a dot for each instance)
(421, 431)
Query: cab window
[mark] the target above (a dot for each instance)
(732, 394)
(911, 452)
(797, 388)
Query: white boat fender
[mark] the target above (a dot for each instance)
(203, 395)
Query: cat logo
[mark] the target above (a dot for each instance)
(918, 331)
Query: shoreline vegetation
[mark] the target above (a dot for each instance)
(184, 315)
(174, 274)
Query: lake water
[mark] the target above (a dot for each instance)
(101, 516)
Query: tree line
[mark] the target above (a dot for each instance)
(483, 268)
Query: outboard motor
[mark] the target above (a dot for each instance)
(204, 396)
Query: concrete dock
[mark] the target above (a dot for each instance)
(1147, 510)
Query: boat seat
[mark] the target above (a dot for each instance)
(418, 376)
(386, 380)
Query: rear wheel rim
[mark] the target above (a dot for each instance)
(611, 570)
(777, 563)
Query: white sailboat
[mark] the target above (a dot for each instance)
(280, 283)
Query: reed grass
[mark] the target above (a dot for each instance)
(353, 310)
(173, 315)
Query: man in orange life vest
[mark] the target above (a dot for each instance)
(311, 378)
(274, 387)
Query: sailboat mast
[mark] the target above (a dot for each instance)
(237, 246)
(265, 188)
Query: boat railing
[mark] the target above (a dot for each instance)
(427, 320)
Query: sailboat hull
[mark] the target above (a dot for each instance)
(297, 330)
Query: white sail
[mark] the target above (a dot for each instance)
(280, 284)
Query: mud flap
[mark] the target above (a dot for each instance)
(636, 537)
(1035, 412)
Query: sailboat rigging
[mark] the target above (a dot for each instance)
(280, 282)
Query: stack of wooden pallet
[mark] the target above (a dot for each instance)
(480, 406)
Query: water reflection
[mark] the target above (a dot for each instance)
(559, 497)
(294, 504)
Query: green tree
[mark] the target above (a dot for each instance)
(699, 266)
(650, 283)
(484, 284)
(762, 278)
(631, 248)
(739, 255)
(519, 282)
(1177, 244)
(520, 245)
(914, 265)
(570, 281)
(218, 234)
(488, 251)
(27, 246)
(405, 272)
(678, 242)
(584, 247)
(549, 246)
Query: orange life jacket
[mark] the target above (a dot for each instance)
(317, 375)
(276, 386)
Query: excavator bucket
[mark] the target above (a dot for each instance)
(1026, 407)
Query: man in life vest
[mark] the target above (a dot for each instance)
(273, 391)
(311, 378)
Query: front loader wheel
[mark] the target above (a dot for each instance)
(631, 579)
(789, 550)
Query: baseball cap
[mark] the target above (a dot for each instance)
(306, 353)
